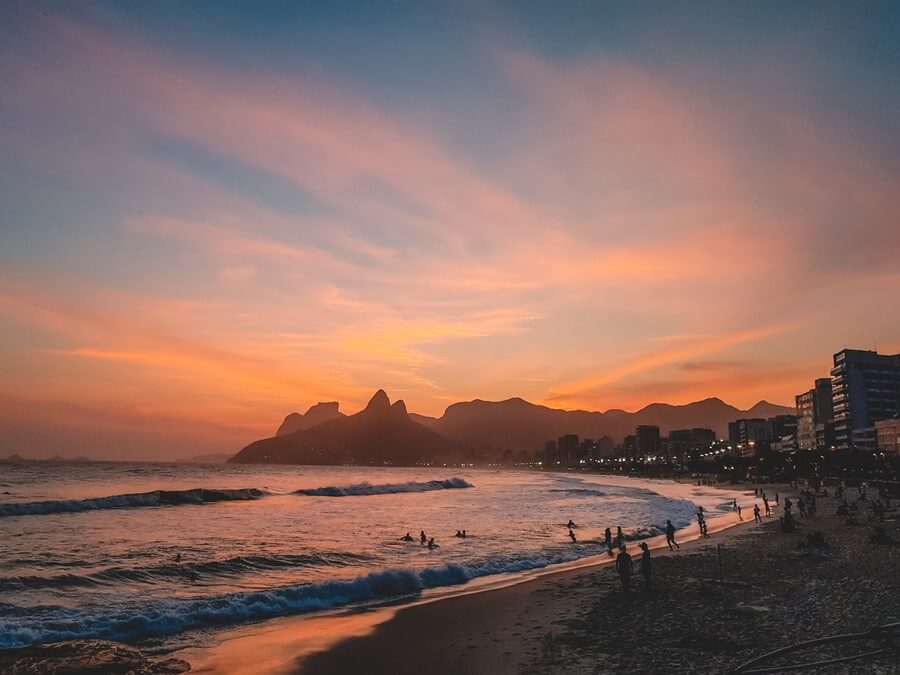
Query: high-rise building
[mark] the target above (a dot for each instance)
(647, 437)
(683, 441)
(814, 412)
(753, 429)
(567, 446)
(865, 389)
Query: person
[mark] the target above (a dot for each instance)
(458, 533)
(570, 524)
(734, 504)
(739, 512)
(572, 535)
(802, 506)
(406, 537)
(646, 566)
(776, 499)
(620, 538)
(607, 539)
(431, 543)
(624, 567)
(701, 522)
(756, 517)
(463, 534)
(670, 535)
(422, 537)
(177, 557)
(768, 508)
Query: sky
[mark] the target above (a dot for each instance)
(216, 213)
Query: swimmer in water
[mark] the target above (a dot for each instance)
(407, 537)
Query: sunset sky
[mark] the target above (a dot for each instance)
(213, 213)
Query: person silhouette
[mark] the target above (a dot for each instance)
(431, 543)
(646, 565)
(422, 537)
(572, 535)
(670, 535)
(756, 517)
(620, 538)
(406, 537)
(607, 539)
(625, 567)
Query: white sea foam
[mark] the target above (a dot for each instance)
(367, 489)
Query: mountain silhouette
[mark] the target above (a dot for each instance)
(320, 412)
(520, 425)
(381, 433)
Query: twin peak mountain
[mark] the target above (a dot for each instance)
(386, 433)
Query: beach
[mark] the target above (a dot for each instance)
(772, 589)
(777, 591)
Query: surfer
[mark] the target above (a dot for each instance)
(431, 543)
(407, 537)
(422, 537)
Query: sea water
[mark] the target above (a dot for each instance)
(162, 555)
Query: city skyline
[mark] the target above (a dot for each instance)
(214, 217)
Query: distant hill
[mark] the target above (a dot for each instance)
(520, 425)
(381, 433)
(320, 412)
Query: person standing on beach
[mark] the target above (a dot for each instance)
(646, 566)
(739, 512)
(701, 521)
(670, 535)
(756, 517)
(620, 538)
(768, 508)
(607, 539)
(572, 535)
(624, 567)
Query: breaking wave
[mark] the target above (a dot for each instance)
(176, 572)
(367, 489)
(133, 622)
(129, 501)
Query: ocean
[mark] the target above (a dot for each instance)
(163, 555)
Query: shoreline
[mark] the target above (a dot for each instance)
(778, 590)
(288, 642)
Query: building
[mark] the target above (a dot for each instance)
(814, 412)
(865, 388)
(783, 425)
(887, 433)
(550, 452)
(681, 442)
(567, 448)
(750, 430)
(647, 440)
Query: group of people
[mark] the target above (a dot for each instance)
(625, 567)
(424, 540)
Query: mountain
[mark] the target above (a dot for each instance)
(520, 425)
(381, 433)
(320, 412)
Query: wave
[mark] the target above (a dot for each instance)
(582, 492)
(127, 501)
(367, 489)
(132, 622)
(184, 571)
